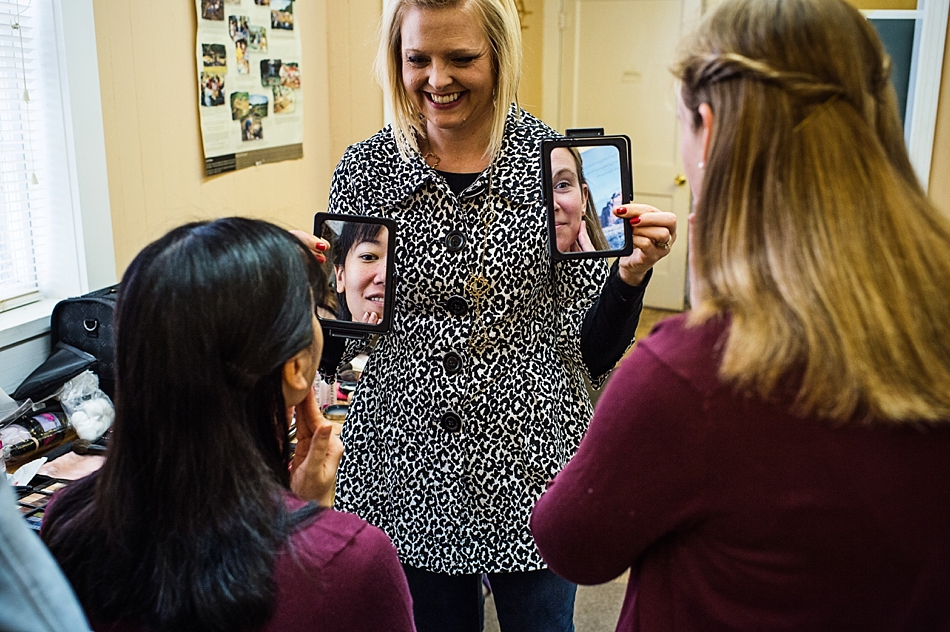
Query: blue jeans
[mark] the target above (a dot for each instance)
(530, 601)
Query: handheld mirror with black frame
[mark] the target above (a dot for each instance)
(361, 262)
(586, 175)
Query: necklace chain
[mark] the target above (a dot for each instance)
(478, 286)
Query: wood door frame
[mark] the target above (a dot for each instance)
(555, 23)
(559, 45)
(923, 93)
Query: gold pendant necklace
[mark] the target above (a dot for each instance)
(428, 155)
(478, 286)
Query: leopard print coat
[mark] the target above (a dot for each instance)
(447, 447)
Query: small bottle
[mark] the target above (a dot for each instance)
(31, 433)
(326, 393)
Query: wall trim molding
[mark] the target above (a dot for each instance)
(926, 67)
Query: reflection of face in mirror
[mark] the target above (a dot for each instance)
(576, 221)
(359, 263)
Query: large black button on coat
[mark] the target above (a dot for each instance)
(451, 422)
(457, 306)
(454, 241)
(452, 363)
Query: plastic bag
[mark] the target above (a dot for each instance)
(89, 409)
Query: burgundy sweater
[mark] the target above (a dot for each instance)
(342, 575)
(734, 514)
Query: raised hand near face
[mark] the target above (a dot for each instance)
(318, 453)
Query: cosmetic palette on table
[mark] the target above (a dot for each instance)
(33, 498)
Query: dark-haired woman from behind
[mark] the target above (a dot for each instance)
(190, 524)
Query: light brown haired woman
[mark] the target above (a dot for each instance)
(777, 458)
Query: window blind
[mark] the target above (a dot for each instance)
(23, 200)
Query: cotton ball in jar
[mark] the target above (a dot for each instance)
(93, 418)
(94, 407)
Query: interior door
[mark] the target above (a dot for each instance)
(612, 62)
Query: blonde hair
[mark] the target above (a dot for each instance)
(812, 230)
(502, 27)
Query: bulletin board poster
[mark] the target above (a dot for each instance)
(249, 77)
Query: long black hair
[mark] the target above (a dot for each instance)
(180, 528)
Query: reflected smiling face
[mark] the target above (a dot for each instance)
(362, 278)
(570, 198)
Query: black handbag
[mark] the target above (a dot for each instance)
(65, 363)
(86, 322)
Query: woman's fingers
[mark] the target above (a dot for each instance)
(661, 237)
(318, 453)
(630, 210)
(583, 239)
(315, 478)
(308, 418)
(654, 232)
(313, 243)
(371, 318)
(649, 223)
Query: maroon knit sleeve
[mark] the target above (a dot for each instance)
(634, 475)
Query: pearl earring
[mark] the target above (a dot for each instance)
(701, 164)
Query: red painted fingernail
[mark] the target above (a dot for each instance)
(321, 258)
(634, 221)
(321, 245)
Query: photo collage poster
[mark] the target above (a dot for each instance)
(249, 77)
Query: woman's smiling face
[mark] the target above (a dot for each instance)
(570, 198)
(447, 67)
(362, 277)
